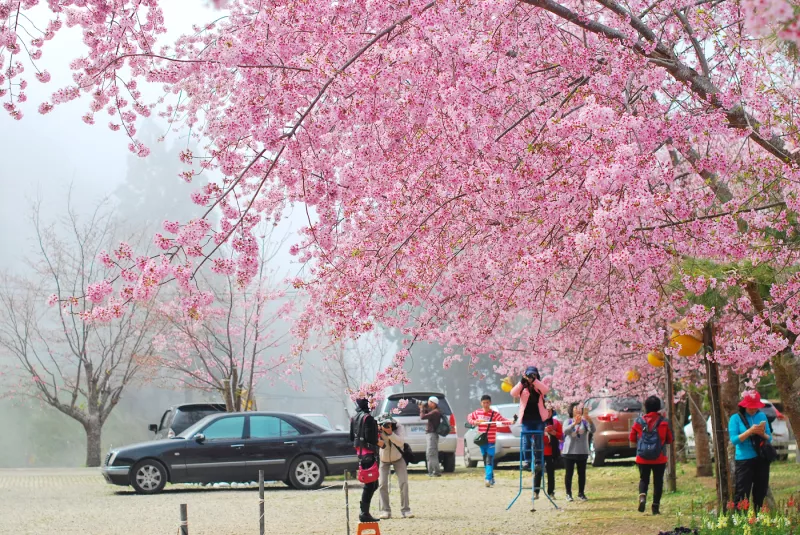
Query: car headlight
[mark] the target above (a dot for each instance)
(112, 458)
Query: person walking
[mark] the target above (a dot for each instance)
(576, 448)
(392, 457)
(365, 438)
(553, 434)
(430, 412)
(651, 433)
(487, 420)
(749, 429)
(531, 391)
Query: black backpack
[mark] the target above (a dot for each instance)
(649, 446)
(358, 434)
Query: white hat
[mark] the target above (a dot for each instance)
(433, 399)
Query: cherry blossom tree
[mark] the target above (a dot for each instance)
(469, 167)
(79, 368)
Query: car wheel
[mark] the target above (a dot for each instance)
(148, 477)
(306, 473)
(449, 462)
(468, 462)
(595, 457)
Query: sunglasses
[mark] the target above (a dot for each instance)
(386, 425)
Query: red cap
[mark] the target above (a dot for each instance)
(751, 400)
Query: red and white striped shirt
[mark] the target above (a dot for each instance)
(490, 430)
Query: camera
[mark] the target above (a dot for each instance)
(421, 403)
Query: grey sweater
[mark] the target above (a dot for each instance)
(576, 437)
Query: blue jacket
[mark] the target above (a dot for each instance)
(745, 450)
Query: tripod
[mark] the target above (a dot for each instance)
(534, 451)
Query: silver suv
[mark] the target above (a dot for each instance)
(412, 427)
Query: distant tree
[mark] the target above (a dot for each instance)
(78, 366)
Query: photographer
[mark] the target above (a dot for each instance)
(430, 412)
(531, 391)
(576, 448)
(392, 457)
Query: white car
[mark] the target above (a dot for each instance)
(507, 444)
(781, 436)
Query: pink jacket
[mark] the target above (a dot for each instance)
(523, 394)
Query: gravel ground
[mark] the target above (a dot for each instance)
(78, 501)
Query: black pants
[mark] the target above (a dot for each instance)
(550, 466)
(369, 488)
(752, 475)
(570, 462)
(658, 480)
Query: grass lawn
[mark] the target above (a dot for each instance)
(613, 498)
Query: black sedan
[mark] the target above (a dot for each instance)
(233, 447)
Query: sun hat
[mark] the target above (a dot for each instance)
(751, 400)
(434, 399)
(386, 418)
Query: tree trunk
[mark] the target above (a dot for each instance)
(730, 401)
(93, 429)
(720, 447)
(702, 439)
(786, 368)
(680, 435)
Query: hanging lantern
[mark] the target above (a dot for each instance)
(632, 376)
(506, 385)
(656, 358)
(690, 343)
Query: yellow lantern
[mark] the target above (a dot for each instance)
(506, 386)
(690, 343)
(656, 358)
(632, 376)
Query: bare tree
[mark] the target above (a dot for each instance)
(81, 368)
(227, 344)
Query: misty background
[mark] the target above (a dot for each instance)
(45, 159)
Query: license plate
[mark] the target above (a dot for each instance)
(417, 428)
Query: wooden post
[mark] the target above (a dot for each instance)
(261, 501)
(720, 450)
(184, 530)
(347, 501)
(672, 484)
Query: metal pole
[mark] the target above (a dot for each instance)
(184, 520)
(672, 484)
(261, 501)
(347, 501)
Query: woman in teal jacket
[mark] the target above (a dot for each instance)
(748, 428)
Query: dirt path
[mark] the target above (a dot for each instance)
(76, 502)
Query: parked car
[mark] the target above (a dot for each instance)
(613, 418)
(321, 420)
(233, 447)
(178, 418)
(507, 445)
(413, 427)
(782, 437)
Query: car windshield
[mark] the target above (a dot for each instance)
(411, 409)
(625, 405)
(189, 416)
(319, 419)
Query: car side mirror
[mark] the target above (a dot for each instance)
(153, 428)
(199, 438)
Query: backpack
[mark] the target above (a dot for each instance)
(358, 434)
(444, 426)
(408, 454)
(649, 446)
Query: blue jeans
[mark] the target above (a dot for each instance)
(527, 427)
(487, 452)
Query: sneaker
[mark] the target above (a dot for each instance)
(535, 495)
(642, 502)
(655, 507)
(583, 498)
(526, 467)
(384, 515)
(488, 483)
(408, 514)
(493, 482)
(569, 498)
(437, 475)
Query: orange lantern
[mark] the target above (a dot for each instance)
(656, 358)
(632, 376)
(689, 343)
(506, 385)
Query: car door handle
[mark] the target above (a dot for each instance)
(237, 446)
(290, 442)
